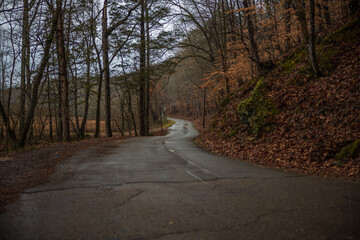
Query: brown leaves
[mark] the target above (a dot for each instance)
(317, 118)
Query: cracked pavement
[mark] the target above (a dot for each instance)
(168, 188)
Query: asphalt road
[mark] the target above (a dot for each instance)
(168, 188)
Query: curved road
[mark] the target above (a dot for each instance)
(168, 188)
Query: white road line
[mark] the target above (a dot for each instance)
(185, 148)
(194, 176)
(203, 169)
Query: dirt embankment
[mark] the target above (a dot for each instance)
(291, 120)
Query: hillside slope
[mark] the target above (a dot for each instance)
(291, 120)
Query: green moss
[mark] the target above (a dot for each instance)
(295, 58)
(326, 50)
(328, 47)
(225, 102)
(255, 110)
(325, 54)
(350, 151)
(168, 123)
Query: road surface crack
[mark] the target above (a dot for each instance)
(126, 201)
(70, 188)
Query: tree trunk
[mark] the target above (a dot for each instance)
(105, 42)
(10, 131)
(326, 12)
(60, 128)
(204, 106)
(308, 38)
(24, 61)
(312, 44)
(142, 82)
(253, 45)
(147, 122)
(76, 102)
(224, 49)
(287, 25)
(49, 106)
(38, 76)
(132, 114)
(63, 76)
(98, 106)
(301, 15)
(87, 92)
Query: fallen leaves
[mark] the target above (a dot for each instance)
(317, 118)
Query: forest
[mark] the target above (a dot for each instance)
(75, 69)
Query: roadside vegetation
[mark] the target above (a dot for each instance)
(294, 120)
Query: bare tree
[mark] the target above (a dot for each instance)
(106, 63)
(308, 38)
(253, 45)
(63, 75)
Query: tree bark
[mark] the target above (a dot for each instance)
(312, 44)
(39, 75)
(10, 131)
(49, 106)
(142, 78)
(308, 38)
(287, 25)
(326, 12)
(301, 15)
(63, 75)
(105, 43)
(87, 91)
(76, 102)
(98, 106)
(204, 106)
(24, 61)
(253, 45)
(132, 114)
(147, 122)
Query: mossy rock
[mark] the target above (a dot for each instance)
(348, 152)
(255, 110)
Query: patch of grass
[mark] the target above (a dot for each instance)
(168, 123)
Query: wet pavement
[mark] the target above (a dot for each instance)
(168, 188)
